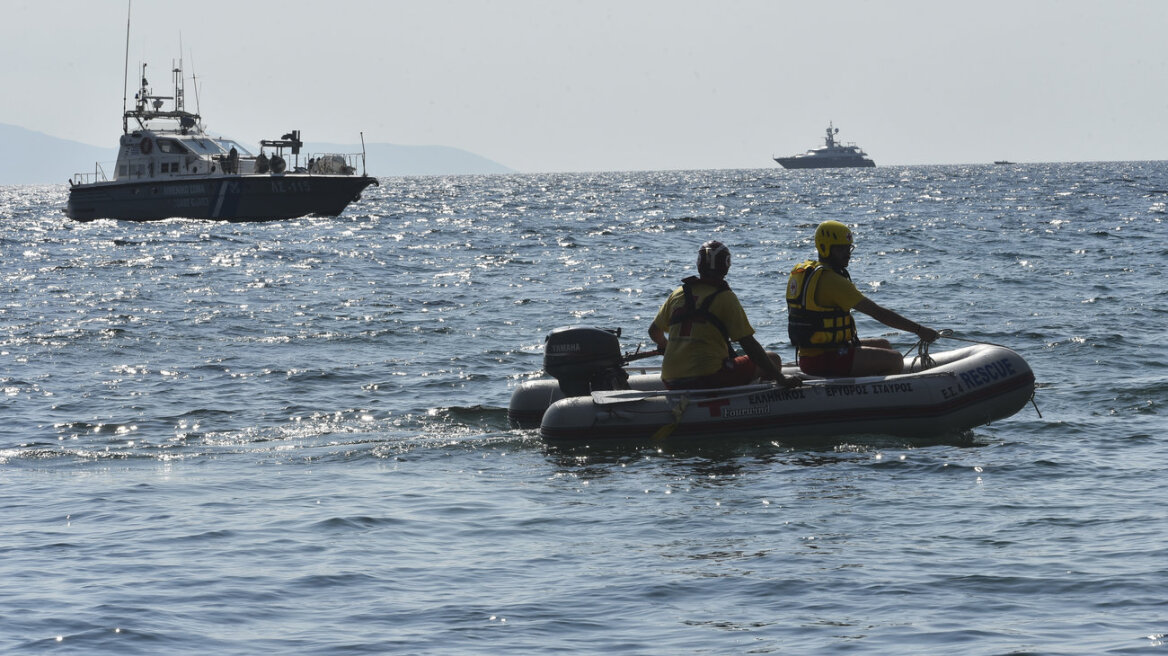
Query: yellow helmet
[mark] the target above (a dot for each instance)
(831, 233)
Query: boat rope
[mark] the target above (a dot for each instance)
(922, 349)
(923, 355)
(948, 334)
(1034, 402)
(678, 413)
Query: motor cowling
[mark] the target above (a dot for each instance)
(585, 360)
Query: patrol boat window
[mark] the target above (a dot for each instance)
(170, 146)
(202, 146)
(227, 145)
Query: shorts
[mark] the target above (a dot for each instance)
(739, 371)
(829, 364)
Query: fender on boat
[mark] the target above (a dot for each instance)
(964, 388)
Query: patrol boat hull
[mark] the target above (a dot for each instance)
(963, 389)
(169, 166)
(236, 198)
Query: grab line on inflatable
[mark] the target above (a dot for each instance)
(922, 348)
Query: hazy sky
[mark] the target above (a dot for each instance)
(562, 85)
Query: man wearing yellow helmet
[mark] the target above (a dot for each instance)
(820, 298)
(697, 324)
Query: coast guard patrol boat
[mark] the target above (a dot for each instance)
(168, 166)
(832, 155)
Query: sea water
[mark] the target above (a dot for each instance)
(291, 437)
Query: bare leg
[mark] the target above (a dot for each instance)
(875, 361)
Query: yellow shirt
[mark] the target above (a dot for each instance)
(696, 347)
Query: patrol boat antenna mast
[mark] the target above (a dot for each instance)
(126, 72)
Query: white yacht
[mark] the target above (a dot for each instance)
(832, 155)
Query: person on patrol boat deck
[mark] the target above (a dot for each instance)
(697, 325)
(820, 298)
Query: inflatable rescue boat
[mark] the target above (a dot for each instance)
(592, 397)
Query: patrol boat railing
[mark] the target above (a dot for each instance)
(98, 175)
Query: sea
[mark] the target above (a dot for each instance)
(291, 437)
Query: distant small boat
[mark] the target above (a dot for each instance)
(832, 155)
(1002, 162)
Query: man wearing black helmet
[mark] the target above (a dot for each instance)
(820, 298)
(697, 325)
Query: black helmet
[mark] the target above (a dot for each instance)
(713, 258)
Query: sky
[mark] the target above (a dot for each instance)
(616, 85)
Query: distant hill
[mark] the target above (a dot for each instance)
(28, 157)
(384, 159)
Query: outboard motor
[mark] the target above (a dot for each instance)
(585, 360)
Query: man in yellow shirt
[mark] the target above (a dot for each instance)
(697, 325)
(820, 298)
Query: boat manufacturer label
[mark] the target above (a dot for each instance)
(732, 413)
